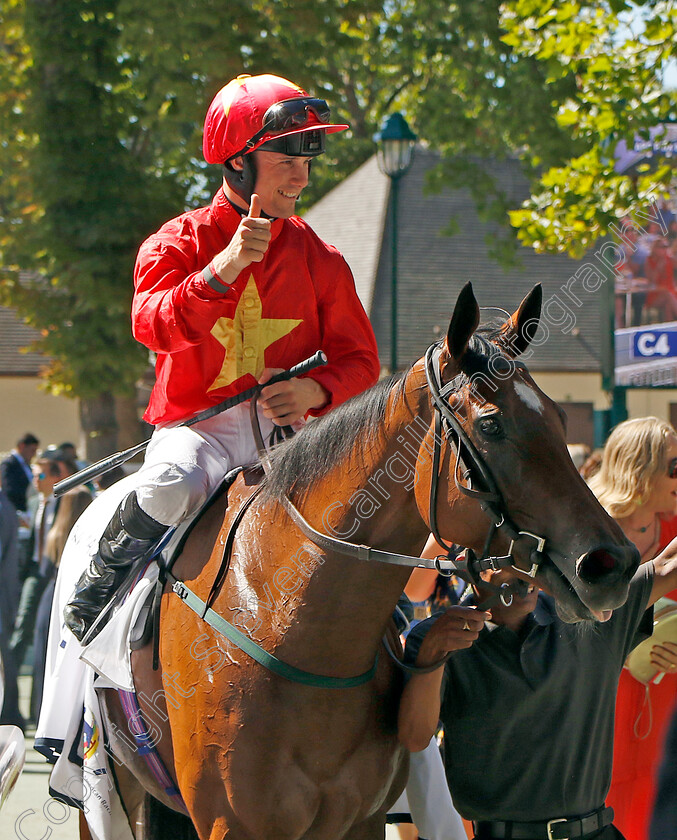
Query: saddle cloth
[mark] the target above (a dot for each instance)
(70, 732)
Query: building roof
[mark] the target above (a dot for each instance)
(352, 217)
(15, 335)
(433, 267)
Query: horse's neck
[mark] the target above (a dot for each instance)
(346, 600)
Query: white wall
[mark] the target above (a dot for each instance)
(25, 408)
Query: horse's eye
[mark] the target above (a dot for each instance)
(490, 427)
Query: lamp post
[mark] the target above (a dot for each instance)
(395, 154)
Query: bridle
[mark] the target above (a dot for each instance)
(469, 463)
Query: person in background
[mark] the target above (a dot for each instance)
(226, 296)
(580, 452)
(637, 485)
(431, 593)
(530, 700)
(10, 589)
(426, 799)
(16, 479)
(591, 464)
(15, 471)
(660, 271)
(49, 468)
(108, 479)
(69, 451)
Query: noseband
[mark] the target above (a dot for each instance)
(468, 464)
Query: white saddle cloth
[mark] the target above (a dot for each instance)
(70, 725)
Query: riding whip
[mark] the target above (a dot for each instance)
(101, 467)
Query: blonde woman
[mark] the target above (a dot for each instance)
(637, 482)
(637, 485)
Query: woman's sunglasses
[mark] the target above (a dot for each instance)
(672, 468)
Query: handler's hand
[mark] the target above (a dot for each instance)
(249, 244)
(456, 629)
(664, 656)
(286, 402)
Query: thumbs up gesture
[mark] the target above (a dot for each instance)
(249, 244)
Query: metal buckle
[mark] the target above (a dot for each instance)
(449, 566)
(180, 589)
(550, 823)
(540, 545)
(506, 597)
(495, 563)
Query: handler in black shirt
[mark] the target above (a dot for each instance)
(529, 707)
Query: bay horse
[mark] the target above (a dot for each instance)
(254, 753)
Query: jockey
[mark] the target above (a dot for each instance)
(225, 297)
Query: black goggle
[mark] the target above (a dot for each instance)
(294, 113)
(672, 468)
(287, 115)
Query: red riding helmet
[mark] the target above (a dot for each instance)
(252, 110)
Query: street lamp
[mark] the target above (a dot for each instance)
(395, 154)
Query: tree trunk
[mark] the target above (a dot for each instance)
(99, 425)
(131, 430)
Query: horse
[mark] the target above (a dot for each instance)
(463, 444)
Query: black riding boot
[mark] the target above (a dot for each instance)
(130, 535)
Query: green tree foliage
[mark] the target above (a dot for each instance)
(614, 54)
(75, 209)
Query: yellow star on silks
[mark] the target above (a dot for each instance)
(246, 337)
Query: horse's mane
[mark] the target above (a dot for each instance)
(351, 428)
(325, 442)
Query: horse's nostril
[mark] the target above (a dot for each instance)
(597, 564)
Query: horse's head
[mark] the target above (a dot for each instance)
(503, 455)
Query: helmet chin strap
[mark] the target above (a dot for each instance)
(242, 181)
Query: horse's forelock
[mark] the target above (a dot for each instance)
(482, 348)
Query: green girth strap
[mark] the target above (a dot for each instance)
(272, 663)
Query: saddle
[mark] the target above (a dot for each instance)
(148, 623)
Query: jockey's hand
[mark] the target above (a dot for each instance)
(664, 656)
(249, 244)
(456, 629)
(286, 402)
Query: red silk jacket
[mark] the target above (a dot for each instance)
(210, 346)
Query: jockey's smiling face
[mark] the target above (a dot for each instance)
(280, 179)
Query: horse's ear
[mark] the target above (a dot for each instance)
(464, 322)
(519, 330)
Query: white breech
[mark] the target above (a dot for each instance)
(185, 464)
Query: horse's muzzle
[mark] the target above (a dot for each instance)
(605, 569)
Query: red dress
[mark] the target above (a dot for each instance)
(636, 760)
